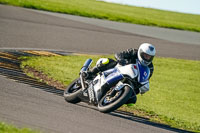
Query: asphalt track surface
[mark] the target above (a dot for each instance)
(22, 28)
(26, 104)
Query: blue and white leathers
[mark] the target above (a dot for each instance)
(144, 73)
(143, 77)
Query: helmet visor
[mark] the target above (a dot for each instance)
(147, 57)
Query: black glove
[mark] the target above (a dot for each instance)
(122, 62)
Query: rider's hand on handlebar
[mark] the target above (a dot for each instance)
(122, 62)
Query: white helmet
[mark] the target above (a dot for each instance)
(146, 53)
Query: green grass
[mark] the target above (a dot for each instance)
(115, 12)
(64, 69)
(174, 95)
(5, 128)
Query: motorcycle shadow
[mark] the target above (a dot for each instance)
(132, 117)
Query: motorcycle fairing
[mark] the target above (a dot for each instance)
(129, 70)
(112, 76)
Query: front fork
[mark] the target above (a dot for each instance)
(86, 88)
(85, 67)
(82, 82)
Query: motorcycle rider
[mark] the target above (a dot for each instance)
(144, 54)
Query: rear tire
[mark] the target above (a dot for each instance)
(72, 92)
(116, 103)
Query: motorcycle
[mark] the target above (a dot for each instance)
(110, 89)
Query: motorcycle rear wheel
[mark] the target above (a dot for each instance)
(110, 103)
(72, 92)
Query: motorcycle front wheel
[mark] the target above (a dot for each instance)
(72, 92)
(111, 102)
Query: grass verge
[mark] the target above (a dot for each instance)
(5, 128)
(114, 12)
(173, 98)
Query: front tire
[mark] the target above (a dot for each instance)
(115, 102)
(72, 92)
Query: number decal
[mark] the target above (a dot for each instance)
(145, 74)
